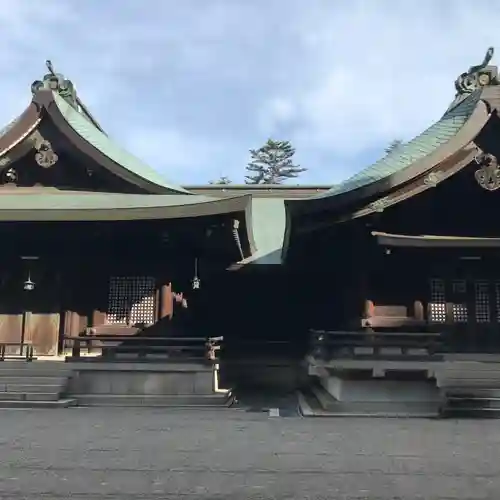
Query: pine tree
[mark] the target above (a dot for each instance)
(272, 164)
(224, 179)
(393, 145)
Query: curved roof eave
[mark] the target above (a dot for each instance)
(77, 206)
(335, 200)
(471, 116)
(20, 128)
(98, 146)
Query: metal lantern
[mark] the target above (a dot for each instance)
(196, 282)
(29, 285)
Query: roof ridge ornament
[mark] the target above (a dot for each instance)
(66, 89)
(57, 83)
(480, 75)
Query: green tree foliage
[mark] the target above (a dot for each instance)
(272, 164)
(221, 180)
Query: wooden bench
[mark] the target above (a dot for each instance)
(26, 346)
(393, 316)
(194, 348)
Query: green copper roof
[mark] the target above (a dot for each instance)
(268, 227)
(26, 204)
(85, 129)
(74, 200)
(406, 154)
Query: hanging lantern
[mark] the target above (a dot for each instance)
(196, 282)
(29, 285)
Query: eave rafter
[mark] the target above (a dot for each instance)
(428, 180)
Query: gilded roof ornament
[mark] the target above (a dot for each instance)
(433, 178)
(380, 205)
(478, 76)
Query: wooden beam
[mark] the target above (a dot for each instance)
(434, 241)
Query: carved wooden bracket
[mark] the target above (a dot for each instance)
(488, 175)
(45, 155)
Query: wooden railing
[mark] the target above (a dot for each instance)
(26, 350)
(325, 345)
(141, 348)
(246, 349)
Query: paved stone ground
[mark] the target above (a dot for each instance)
(107, 453)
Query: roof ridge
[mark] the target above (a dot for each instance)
(74, 112)
(422, 145)
(469, 86)
(66, 89)
(110, 148)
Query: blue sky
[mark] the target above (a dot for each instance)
(191, 85)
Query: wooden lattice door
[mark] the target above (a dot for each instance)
(131, 300)
(471, 306)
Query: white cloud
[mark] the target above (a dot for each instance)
(275, 112)
(191, 86)
(386, 70)
(181, 157)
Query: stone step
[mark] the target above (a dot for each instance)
(473, 402)
(486, 372)
(29, 396)
(470, 375)
(310, 407)
(33, 380)
(34, 404)
(319, 403)
(36, 372)
(30, 388)
(188, 400)
(475, 392)
(479, 413)
(487, 383)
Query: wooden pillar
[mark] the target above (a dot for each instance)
(98, 317)
(74, 326)
(166, 301)
(418, 310)
(369, 309)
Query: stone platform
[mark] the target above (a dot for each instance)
(371, 388)
(183, 384)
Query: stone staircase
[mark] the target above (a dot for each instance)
(470, 389)
(316, 401)
(156, 401)
(39, 384)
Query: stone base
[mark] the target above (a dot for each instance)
(319, 403)
(186, 384)
(183, 401)
(380, 390)
(138, 379)
(32, 404)
(358, 394)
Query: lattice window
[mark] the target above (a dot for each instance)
(497, 299)
(131, 300)
(437, 304)
(482, 298)
(459, 309)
